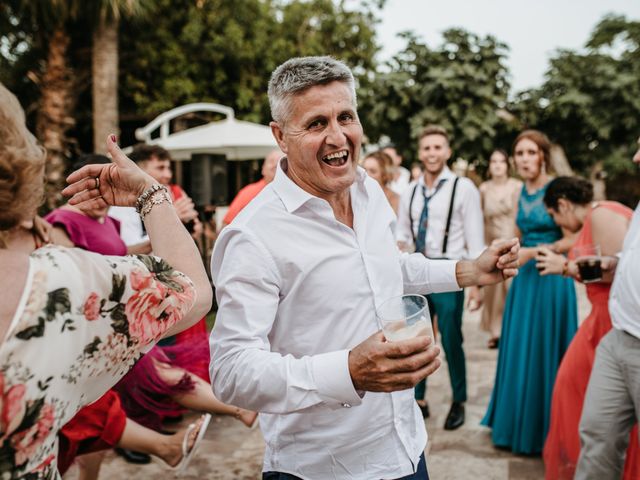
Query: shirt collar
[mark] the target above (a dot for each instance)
(446, 174)
(293, 196)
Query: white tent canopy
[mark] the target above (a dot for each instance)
(236, 139)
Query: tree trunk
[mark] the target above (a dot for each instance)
(104, 72)
(53, 117)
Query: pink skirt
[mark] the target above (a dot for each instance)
(145, 396)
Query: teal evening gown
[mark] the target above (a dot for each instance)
(540, 319)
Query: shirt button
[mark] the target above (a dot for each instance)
(346, 405)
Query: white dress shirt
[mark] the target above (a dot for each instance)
(466, 233)
(624, 303)
(296, 291)
(131, 230)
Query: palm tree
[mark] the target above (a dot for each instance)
(53, 20)
(104, 64)
(46, 21)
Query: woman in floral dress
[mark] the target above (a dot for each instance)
(73, 322)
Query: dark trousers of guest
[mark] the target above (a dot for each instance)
(449, 307)
(421, 473)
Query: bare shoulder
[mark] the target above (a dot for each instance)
(602, 218)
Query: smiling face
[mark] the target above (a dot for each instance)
(498, 165)
(529, 159)
(321, 138)
(433, 152)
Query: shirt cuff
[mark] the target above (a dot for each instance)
(333, 381)
(442, 276)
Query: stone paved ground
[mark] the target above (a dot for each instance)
(230, 451)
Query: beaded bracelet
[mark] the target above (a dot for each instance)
(154, 195)
(147, 193)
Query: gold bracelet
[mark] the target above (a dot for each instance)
(155, 198)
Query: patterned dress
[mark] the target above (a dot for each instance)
(82, 322)
(540, 320)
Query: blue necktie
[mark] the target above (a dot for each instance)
(421, 238)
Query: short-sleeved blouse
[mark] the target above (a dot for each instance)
(88, 233)
(82, 322)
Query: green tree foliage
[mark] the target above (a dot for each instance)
(224, 51)
(590, 105)
(461, 85)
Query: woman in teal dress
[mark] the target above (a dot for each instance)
(540, 315)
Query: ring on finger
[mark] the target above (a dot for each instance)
(97, 179)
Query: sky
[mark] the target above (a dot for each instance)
(532, 29)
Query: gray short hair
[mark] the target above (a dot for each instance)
(301, 73)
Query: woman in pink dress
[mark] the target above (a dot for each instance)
(569, 202)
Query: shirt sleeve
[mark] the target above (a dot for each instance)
(98, 314)
(244, 371)
(139, 297)
(473, 220)
(130, 225)
(422, 275)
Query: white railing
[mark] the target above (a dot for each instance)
(163, 120)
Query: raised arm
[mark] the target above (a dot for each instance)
(121, 183)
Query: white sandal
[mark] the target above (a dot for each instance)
(187, 454)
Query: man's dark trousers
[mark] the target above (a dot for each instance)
(449, 307)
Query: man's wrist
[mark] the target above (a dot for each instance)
(466, 273)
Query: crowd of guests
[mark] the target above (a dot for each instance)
(545, 360)
(112, 283)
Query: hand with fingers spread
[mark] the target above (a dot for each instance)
(119, 183)
(376, 365)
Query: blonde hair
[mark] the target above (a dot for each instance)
(21, 166)
(386, 165)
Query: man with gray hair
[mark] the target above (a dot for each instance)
(298, 276)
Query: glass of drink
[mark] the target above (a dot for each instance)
(589, 262)
(404, 317)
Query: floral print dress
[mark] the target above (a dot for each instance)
(82, 322)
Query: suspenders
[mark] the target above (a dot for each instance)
(445, 240)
